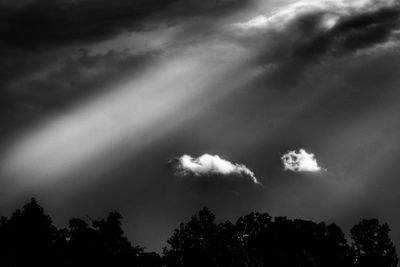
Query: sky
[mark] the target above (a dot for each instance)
(156, 108)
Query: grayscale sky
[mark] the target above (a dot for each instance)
(155, 108)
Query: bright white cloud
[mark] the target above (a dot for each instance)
(212, 165)
(334, 9)
(257, 22)
(300, 161)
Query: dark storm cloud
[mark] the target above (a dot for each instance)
(69, 80)
(44, 23)
(36, 32)
(350, 34)
(78, 75)
(40, 68)
(31, 29)
(302, 36)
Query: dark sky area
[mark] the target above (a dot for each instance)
(156, 108)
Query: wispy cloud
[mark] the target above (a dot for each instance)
(319, 28)
(207, 165)
(300, 161)
(336, 9)
(301, 37)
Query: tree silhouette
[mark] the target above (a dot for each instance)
(256, 240)
(149, 259)
(335, 250)
(83, 244)
(372, 245)
(250, 230)
(229, 248)
(28, 238)
(284, 242)
(102, 244)
(202, 242)
(116, 247)
(193, 243)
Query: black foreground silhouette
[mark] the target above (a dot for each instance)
(28, 238)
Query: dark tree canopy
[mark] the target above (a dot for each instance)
(260, 240)
(372, 245)
(28, 238)
(257, 240)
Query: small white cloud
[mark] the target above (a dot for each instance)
(300, 161)
(207, 164)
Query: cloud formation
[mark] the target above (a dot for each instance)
(42, 69)
(311, 31)
(77, 77)
(208, 165)
(300, 161)
(45, 23)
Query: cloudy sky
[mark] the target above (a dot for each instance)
(156, 108)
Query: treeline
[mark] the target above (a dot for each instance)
(28, 238)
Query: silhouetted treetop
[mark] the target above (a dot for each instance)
(257, 239)
(372, 245)
(28, 238)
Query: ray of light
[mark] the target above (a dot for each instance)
(88, 137)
